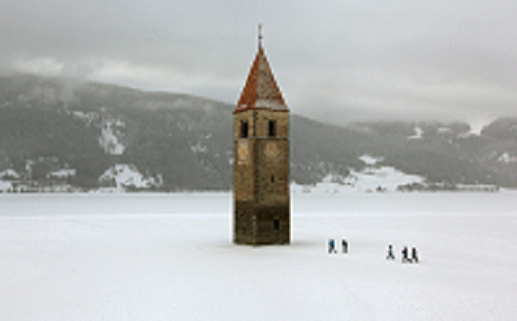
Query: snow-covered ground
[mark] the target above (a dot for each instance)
(170, 257)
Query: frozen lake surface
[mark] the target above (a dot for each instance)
(170, 257)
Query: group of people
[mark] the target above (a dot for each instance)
(405, 254)
(332, 248)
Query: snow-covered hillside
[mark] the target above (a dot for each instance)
(170, 257)
(373, 178)
(109, 139)
(123, 176)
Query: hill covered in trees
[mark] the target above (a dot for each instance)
(60, 134)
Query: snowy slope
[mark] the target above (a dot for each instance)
(122, 176)
(169, 257)
(373, 178)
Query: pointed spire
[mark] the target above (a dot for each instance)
(261, 90)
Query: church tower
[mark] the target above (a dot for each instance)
(261, 161)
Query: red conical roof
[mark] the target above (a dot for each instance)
(261, 90)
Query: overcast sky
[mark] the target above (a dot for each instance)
(333, 59)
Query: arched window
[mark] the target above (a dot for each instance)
(272, 128)
(244, 129)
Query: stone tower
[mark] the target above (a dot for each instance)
(261, 163)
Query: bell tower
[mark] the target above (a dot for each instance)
(261, 161)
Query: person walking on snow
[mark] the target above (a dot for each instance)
(332, 246)
(345, 246)
(414, 255)
(405, 257)
(390, 253)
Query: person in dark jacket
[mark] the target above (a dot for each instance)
(414, 255)
(345, 246)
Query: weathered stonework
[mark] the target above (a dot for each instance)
(261, 164)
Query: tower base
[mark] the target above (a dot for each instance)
(261, 225)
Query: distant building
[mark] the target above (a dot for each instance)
(261, 164)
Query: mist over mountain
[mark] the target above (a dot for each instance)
(65, 135)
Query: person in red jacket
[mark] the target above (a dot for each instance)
(405, 257)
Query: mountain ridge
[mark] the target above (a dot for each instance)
(99, 133)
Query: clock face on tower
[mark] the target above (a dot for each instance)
(242, 152)
(271, 151)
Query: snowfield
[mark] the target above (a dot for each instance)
(170, 257)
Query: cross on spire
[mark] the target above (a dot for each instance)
(260, 37)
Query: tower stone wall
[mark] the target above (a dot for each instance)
(261, 163)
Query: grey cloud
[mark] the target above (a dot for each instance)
(357, 59)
